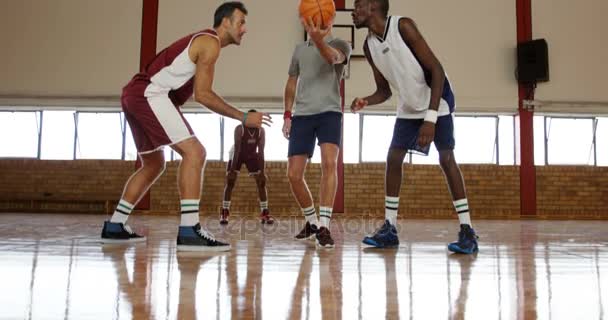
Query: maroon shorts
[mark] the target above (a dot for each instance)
(253, 165)
(155, 122)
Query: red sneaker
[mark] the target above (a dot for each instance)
(224, 213)
(265, 217)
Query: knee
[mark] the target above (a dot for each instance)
(294, 176)
(155, 166)
(446, 160)
(196, 153)
(230, 182)
(395, 158)
(329, 167)
(261, 180)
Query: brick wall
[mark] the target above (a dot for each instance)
(572, 191)
(96, 185)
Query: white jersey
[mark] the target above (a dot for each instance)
(405, 74)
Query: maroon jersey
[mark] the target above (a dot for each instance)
(170, 73)
(249, 144)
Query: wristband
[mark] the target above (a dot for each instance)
(245, 117)
(287, 115)
(431, 116)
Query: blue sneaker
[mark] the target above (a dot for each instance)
(467, 241)
(196, 238)
(116, 232)
(385, 237)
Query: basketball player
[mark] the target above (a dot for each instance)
(248, 149)
(401, 59)
(151, 102)
(316, 69)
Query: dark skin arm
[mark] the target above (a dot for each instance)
(383, 88)
(238, 134)
(410, 34)
(261, 145)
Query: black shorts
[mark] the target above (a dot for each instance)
(305, 130)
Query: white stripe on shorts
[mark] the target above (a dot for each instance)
(169, 118)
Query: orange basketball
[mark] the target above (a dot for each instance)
(321, 11)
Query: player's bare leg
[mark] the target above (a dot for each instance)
(260, 181)
(296, 166)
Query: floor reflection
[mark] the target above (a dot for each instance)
(524, 270)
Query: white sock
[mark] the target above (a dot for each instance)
(189, 215)
(462, 209)
(325, 216)
(391, 206)
(122, 212)
(263, 205)
(226, 204)
(310, 214)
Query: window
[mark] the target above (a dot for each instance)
(229, 126)
(506, 140)
(206, 126)
(19, 134)
(57, 135)
(130, 149)
(602, 141)
(350, 138)
(569, 141)
(377, 134)
(475, 139)
(99, 136)
(276, 144)
(539, 140)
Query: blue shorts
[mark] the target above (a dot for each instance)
(405, 135)
(305, 130)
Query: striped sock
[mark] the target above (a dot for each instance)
(189, 216)
(263, 205)
(226, 204)
(310, 214)
(325, 215)
(391, 205)
(462, 208)
(122, 212)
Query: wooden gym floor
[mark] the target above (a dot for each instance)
(53, 267)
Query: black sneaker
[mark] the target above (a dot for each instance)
(324, 239)
(308, 232)
(117, 232)
(196, 238)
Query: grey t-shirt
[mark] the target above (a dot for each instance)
(318, 88)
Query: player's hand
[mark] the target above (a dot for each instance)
(286, 128)
(257, 119)
(315, 32)
(358, 104)
(426, 134)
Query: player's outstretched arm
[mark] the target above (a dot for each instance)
(383, 88)
(204, 51)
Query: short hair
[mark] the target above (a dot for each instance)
(225, 10)
(252, 110)
(383, 6)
